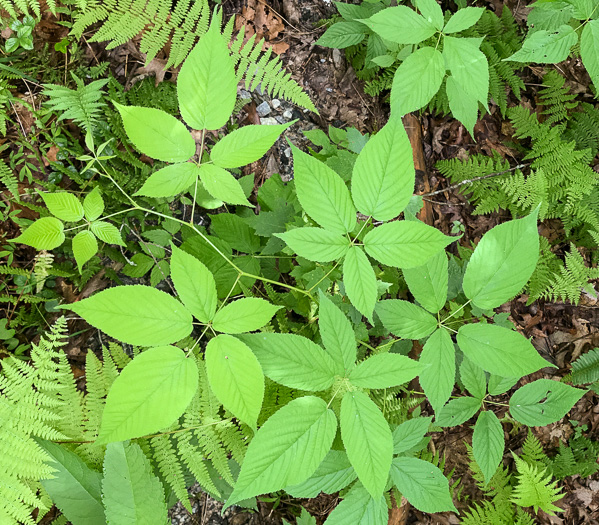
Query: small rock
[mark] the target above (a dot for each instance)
(269, 121)
(287, 152)
(337, 58)
(244, 93)
(276, 103)
(287, 114)
(263, 109)
(280, 119)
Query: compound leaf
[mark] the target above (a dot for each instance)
(359, 281)
(468, 65)
(46, 233)
(244, 315)
(410, 433)
(405, 319)
(384, 371)
(488, 443)
(219, 183)
(457, 411)
(463, 19)
(316, 244)
(463, 106)
(336, 332)
(85, 246)
(93, 204)
(63, 205)
(438, 378)
(428, 283)
(170, 180)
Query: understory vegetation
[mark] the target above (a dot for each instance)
(170, 319)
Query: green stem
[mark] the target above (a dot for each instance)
(457, 311)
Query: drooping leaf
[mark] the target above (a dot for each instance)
(93, 204)
(359, 281)
(46, 233)
(488, 443)
(170, 180)
(438, 378)
(367, 439)
(316, 244)
(463, 106)
(107, 232)
(404, 319)
(150, 394)
(131, 492)
(468, 65)
(428, 283)
(63, 205)
(473, 378)
(245, 145)
(384, 371)
(157, 134)
(457, 411)
(323, 194)
(546, 47)
(342, 34)
(499, 350)
(401, 25)
(543, 402)
(85, 247)
(287, 449)
(235, 377)
(336, 331)
(383, 175)
(417, 80)
(423, 484)
(589, 50)
(334, 473)
(293, 361)
(359, 508)
(463, 19)
(194, 284)
(222, 185)
(405, 244)
(410, 433)
(244, 315)
(75, 489)
(136, 314)
(502, 262)
(207, 85)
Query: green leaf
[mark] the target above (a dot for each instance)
(473, 377)
(85, 247)
(359, 281)
(463, 19)
(235, 231)
(463, 106)
(488, 443)
(235, 377)
(500, 385)
(543, 402)
(44, 234)
(157, 134)
(502, 262)
(222, 185)
(438, 378)
(107, 232)
(546, 47)
(93, 204)
(383, 175)
(132, 494)
(64, 206)
(432, 11)
(244, 315)
(417, 80)
(75, 488)
(336, 332)
(405, 320)
(194, 284)
(468, 65)
(499, 350)
(589, 50)
(410, 433)
(142, 264)
(207, 85)
(287, 449)
(367, 439)
(384, 371)
(457, 411)
(316, 244)
(585, 369)
(170, 180)
(401, 25)
(136, 314)
(428, 283)
(405, 244)
(293, 361)
(245, 145)
(422, 484)
(323, 194)
(334, 473)
(342, 35)
(150, 394)
(359, 508)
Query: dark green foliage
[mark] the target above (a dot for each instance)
(586, 368)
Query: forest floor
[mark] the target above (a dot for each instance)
(559, 331)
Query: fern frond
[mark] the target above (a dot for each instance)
(28, 7)
(532, 451)
(556, 98)
(585, 369)
(9, 178)
(535, 489)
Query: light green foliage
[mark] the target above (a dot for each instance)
(438, 378)
(358, 506)
(46, 233)
(359, 281)
(488, 443)
(585, 369)
(535, 489)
